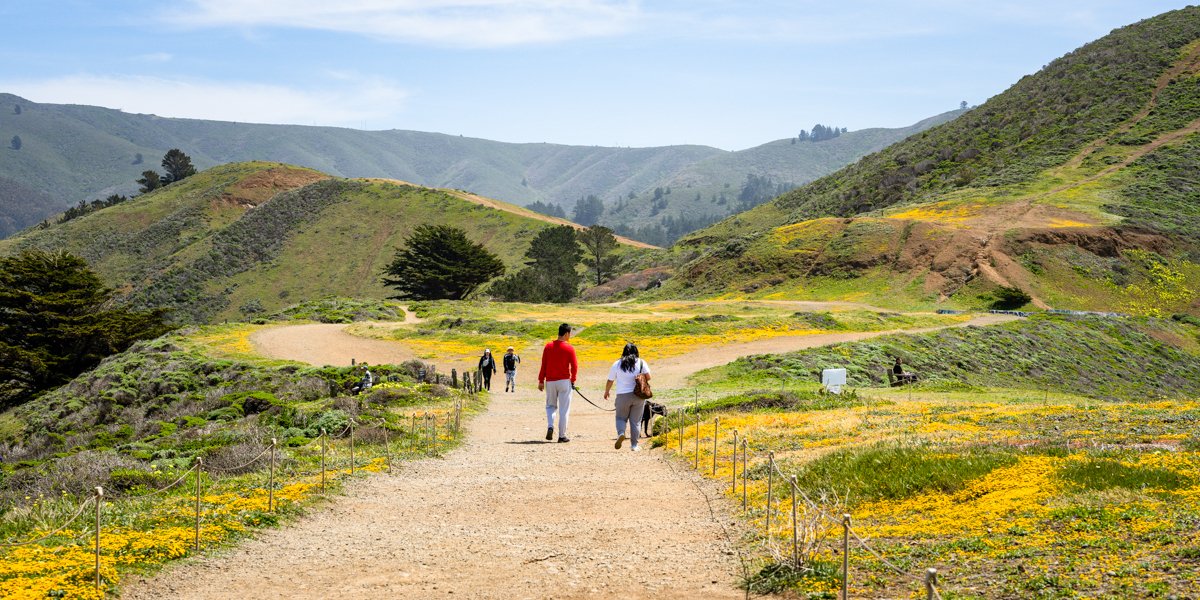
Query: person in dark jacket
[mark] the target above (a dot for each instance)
(487, 366)
(511, 360)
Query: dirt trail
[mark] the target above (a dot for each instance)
(505, 516)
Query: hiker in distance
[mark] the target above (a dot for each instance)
(511, 360)
(624, 375)
(487, 366)
(557, 378)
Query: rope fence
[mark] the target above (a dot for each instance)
(427, 438)
(806, 514)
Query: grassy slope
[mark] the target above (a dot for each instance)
(1027, 190)
(195, 246)
(1093, 357)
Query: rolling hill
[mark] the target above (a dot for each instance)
(1077, 185)
(72, 152)
(245, 238)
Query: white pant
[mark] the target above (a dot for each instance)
(558, 399)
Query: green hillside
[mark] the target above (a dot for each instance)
(71, 153)
(1077, 185)
(246, 238)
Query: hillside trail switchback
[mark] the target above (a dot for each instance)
(506, 515)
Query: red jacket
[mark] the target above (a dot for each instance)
(558, 362)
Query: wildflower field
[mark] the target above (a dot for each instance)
(201, 452)
(664, 329)
(1050, 488)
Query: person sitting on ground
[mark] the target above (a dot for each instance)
(511, 360)
(624, 374)
(365, 382)
(901, 376)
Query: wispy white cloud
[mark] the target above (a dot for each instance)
(463, 23)
(155, 57)
(345, 102)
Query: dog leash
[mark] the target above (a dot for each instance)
(614, 409)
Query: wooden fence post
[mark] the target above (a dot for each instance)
(716, 431)
(271, 481)
(351, 446)
(324, 440)
(99, 501)
(845, 557)
(795, 525)
(199, 471)
(770, 490)
(930, 583)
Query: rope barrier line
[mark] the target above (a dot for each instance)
(886, 562)
(78, 512)
(238, 468)
(161, 490)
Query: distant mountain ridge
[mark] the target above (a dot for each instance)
(75, 152)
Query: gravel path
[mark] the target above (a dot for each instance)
(507, 515)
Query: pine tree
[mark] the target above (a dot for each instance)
(178, 166)
(55, 323)
(550, 274)
(439, 262)
(149, 182)
(598, 243)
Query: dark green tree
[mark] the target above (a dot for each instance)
(16, 109)
(149, 182)
(56, 322)
(439, 262)
(588, 210)
(178, 166)
(598, 244)
(15, 143)
(549, 275)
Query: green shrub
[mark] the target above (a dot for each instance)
(1099, 473)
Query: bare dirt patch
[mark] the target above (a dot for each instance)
(264, 185)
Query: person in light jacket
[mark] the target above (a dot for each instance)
(622, 376)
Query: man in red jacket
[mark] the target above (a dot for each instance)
(557, 378)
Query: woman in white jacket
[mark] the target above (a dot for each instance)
(623, 375)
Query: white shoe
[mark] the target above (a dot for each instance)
(620, 440)
(636, 448)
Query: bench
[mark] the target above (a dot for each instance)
(894, 381)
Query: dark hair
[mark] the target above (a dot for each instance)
(563, 329)
(629, 357)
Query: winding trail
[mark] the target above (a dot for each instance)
(507, 515)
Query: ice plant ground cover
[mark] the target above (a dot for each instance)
(1008, 494)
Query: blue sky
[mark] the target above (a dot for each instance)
(596, 72)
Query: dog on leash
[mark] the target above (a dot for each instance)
(652, 408)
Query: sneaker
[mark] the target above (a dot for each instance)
(564, 439)
(620, 440)
(636, 448)
(549, 433)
